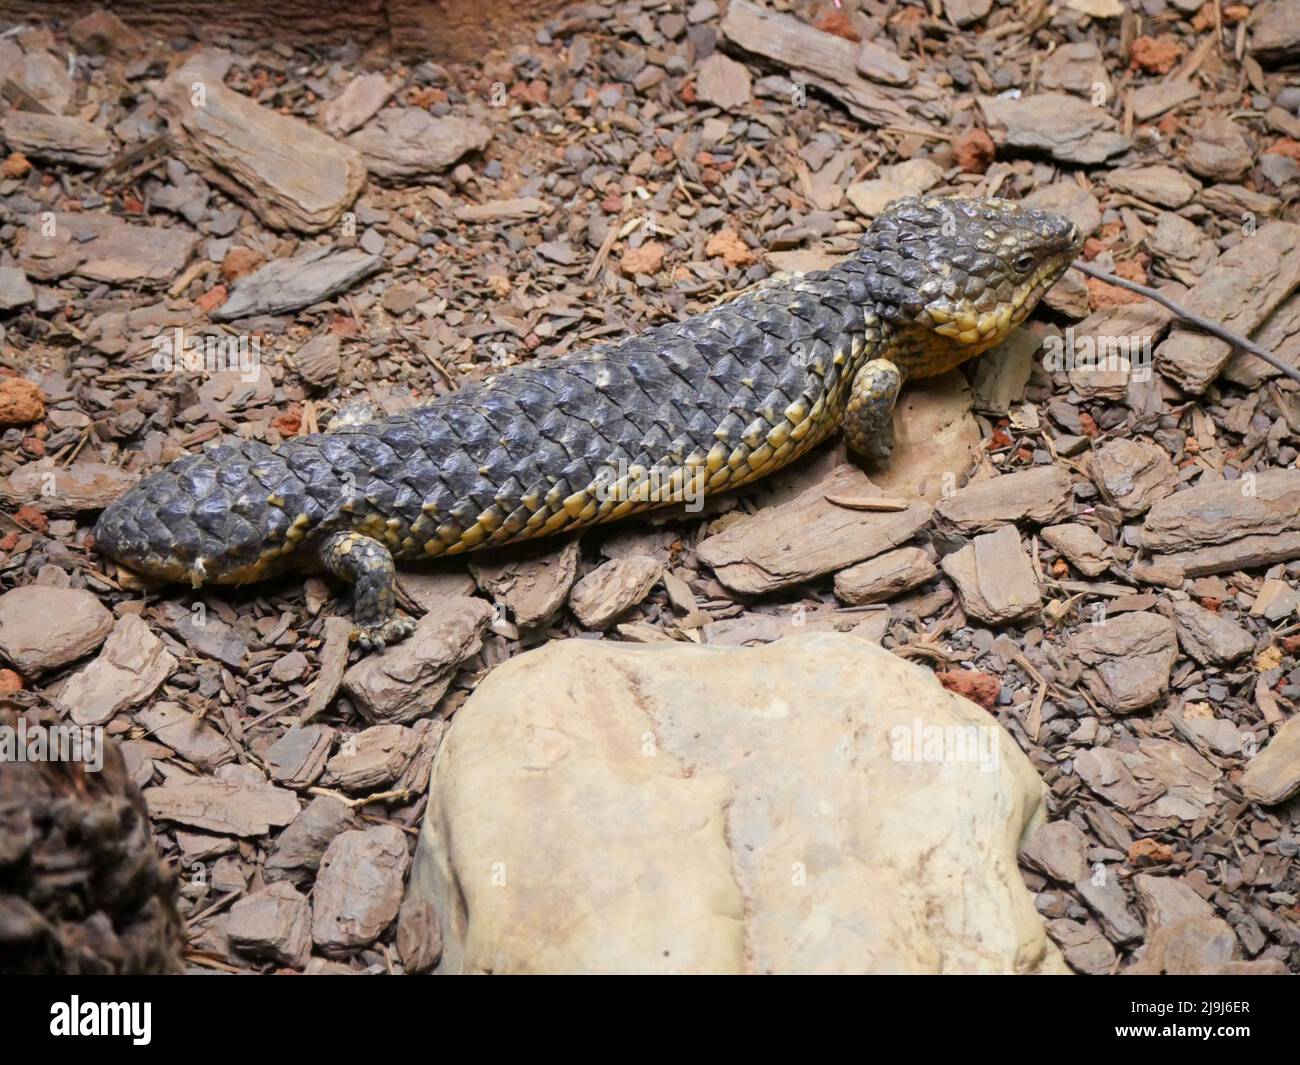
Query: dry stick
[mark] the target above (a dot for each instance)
(1204, 324)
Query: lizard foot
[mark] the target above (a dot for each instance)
(377, 637)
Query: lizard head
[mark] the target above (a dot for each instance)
(961, 274)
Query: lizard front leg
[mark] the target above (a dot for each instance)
(869, 417)
(367, 564)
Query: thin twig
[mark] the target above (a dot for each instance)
(1191, 318)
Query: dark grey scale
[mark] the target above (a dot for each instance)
(184, 540)
(660, 439)
(531, 464)
(550, 457)
(480, 499)
(498, 467)
(381, 494)
(650, 375)
(460, 475)
(404, 437)
(727, 373)
(695, 389)
(504, 410)
(372, 449)
(523, 395)
(579, 470)
(730, 426)
(477, 433)
(440, 499)
(244, 538)
(211, 512)
(554, 429)
(335, 457)
(198, 479)
(423, 466)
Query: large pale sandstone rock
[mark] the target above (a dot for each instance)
(606, 807)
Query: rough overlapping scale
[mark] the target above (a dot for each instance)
(522, 444)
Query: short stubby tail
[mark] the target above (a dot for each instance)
(196, 521)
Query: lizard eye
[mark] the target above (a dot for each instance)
(1023, 264)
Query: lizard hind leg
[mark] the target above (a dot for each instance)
(367, 564)
(869, 416)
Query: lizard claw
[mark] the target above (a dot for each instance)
(377, 637)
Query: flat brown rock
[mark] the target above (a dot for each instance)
(297, 758)
(1227, 525)
(357, 103)
(1158, 184)
(65, 492)
(1219, 151)
(1133, 473)
(1069, 129)
(722, 81)
(1059, 850)
(284, 285)
(358, 889)
(299, 848)
(1158, 97)
(515, 210)
(1040, 495)
(104, 248)
(994, 577)
(405, 682)
(827, 62)
(273, 923)
(885, 576)
(1002, 373)
(42, 628)
(204, 634)
(883, 64)
(1157, 780)
(1273, 775)
(1208, 637)
(1085, 948)
(131, 666)
(410, 143)
(227, 807)
(1166, 899)
(58, 138)
(534, 587)
(808, 536)
(1077, 67)
(291, 175)
(1087, 551)
(935, 435)
(1127, 659)
(612, 589)
(1107, 900)
(1275, 31)
(186, 734)
(372, 758)
(15, 291)
(333, 662)
(1239, 291)
(1198, 946)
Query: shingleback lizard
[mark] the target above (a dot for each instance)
(678, 411)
